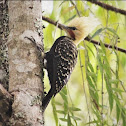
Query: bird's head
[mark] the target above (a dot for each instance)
(80, 27)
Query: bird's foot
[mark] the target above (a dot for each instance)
(39, 46)
(31, 39)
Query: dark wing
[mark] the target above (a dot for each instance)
(65, 58)
(61, 60)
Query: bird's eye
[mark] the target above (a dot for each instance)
(73, 28)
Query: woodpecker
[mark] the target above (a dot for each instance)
(62, 57)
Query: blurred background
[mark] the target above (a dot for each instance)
(96, 92)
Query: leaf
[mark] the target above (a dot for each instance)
(63, 97)
(103, 48)
(60, 111)
(67, 10)
(63, 94)
(92, 122)
(54, 111)
(97, 32)
(92, 74)
(71, 18)
(63, 119)
(68, 121)
(65, 107)
(117, 101)
(117, 90)
(64, 90)
(98, 115)
(75, 118)
(113, 31)
(114, 81)
(90, 66)
(118, 112)
(58, 103)
(107, 71)
(90, 83)
(91, 51)
(123, 114)
(74, 109)
(110, 93)
(100, 64)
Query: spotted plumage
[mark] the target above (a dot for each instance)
(61, 59)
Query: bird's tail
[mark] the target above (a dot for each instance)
(47, 99)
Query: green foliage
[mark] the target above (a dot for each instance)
(54, 111)
(68, 112)
(96, 94)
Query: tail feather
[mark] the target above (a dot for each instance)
(47, 99)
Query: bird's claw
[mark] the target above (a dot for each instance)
(39, 46)
(31, 39)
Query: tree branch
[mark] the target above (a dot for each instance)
(106, 45)
(52, 22)
(108, 7)
(87, 38)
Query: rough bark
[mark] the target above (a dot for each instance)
(4, 31)
(6, 100)
(25, 68)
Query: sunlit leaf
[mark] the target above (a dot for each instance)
(64, 97)
(65, 107)
(97, 32)
(100, 64)
(98, 115)
(60, 111)
(117, 101)
(63, 119)
(69, 121)
(103, 48)
(113, 31)
(114, 81)
(91, 50)
(110, 93)
(58, 103)
(92, 74)
(117, 90)
(54, 111)
(90, 83)
(90, 66)
(123, 114)
(118, 112)
(92, 122)
(64, 90)
(75, 118)
(70, 18)
(68, 9)
(74, 109)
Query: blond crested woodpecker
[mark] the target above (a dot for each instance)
(62, 57)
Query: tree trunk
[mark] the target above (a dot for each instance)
(4, 31)
(25, 68)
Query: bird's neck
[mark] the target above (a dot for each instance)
(76, 42)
